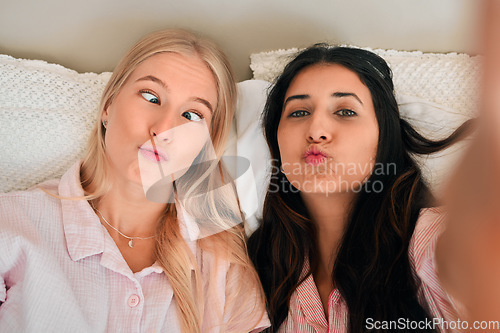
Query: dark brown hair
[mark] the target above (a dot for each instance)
(372, 270)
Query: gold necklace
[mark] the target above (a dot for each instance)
(130, 238)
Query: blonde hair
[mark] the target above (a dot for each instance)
(171, 250)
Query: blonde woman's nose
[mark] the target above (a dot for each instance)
(163, 129)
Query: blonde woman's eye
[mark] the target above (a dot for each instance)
(150, 97)
(298, 114)
(346, 113)
(193, 116)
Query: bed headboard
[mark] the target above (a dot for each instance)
(91, 36)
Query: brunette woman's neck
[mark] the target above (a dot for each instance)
(329, 214)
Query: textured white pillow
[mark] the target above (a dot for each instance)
(46, 114)
(450, 80)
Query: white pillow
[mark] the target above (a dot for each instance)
(251, 145)
(435, 122)
(46, 114)
(450, 79)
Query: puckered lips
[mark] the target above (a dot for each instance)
(315, 156)
(153, 154)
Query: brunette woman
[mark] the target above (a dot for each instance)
(348, 237)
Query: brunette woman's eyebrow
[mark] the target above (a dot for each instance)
(347, 94)
(294, 97)
(338, 94)
(152, 78)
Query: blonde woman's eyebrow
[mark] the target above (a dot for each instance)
(195, 99)
(152, 78)
(204, 102)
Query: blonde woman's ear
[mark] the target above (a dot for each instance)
(104, 117)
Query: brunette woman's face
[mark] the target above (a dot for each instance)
(328, 132)
(158, 122)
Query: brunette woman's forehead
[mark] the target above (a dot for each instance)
(343, 81)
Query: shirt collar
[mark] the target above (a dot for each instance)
(84, 233)
(310, 301)
(82, 228)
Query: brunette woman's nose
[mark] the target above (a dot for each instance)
(318, 130)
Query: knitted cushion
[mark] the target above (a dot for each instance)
(46, 114)
(449, 79)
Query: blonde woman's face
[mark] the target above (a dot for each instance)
(159, 121)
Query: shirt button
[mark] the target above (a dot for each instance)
(133, 301)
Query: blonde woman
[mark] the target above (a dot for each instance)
(143, 234)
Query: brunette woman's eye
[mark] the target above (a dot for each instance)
(346, 113)
(193, 116)
(298, 114)
(150, 97)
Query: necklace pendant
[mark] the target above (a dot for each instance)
(131, 243)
